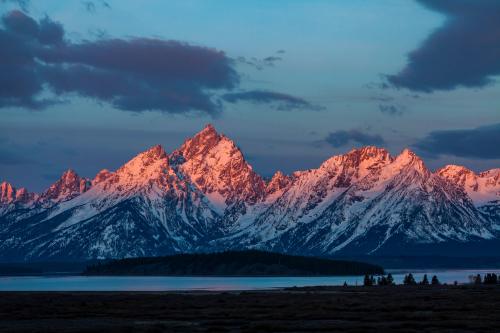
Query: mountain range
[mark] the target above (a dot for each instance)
(205, 197)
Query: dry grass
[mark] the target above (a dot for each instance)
(336, 309)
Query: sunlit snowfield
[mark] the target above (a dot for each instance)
(160, 283)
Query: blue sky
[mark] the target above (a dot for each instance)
(330, 59)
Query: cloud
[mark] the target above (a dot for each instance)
(464, 52)
(481, 142)
(343, 137)
(382, 98)
(259, 64)
(283, 102)
(272, 59)
(137, 74)
(91, 6)
(391, 109)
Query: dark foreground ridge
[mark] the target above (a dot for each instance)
(337, 309)
(232, 263)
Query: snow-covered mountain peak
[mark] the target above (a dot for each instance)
(458, 174)
(493, 174)
(482, 188)
(217, 167)
(407, 159)
(149, 165)
(205, 196)
(356, 164)
(278, 182)
(67, 187)
(368, 156)
(200, 144)
(101, 176)
(145, 159)
(369, 152)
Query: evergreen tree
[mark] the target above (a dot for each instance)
(390, 280)
(409, 280)
(490, 278)
(435, 281)
(477, 279)
(425, 281)
(382, 281)
(367, 282)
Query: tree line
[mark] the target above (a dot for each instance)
(409, 280)
(232, 263)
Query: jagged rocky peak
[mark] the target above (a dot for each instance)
(101, 176)
(215, 164)
(491, 180)
(155, 152)
(155, 157)
(356, 164)
(67, 187)
(278, 182)
(201, 143)
(481, 187)
(463, 176)
(151, 155)
(24, 196)
(7, 193)
(366, 156)
(493, 175)
(408, 159)
(369, 156)
(458, 174)
(370, 152)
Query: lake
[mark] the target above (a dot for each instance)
(177, 283)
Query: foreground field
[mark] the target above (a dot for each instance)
(336, 309)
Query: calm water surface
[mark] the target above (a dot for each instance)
(157, 283)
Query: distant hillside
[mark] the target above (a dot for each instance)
(232, 263)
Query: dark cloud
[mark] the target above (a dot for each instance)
(465, 51)
(259, 64)
(481, 142)
(272, 59)
(137, 74)
(281, 101)
(343, 137)
(391, 109)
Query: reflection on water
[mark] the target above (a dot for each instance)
(159, 283)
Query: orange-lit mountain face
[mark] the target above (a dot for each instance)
(204, 196)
